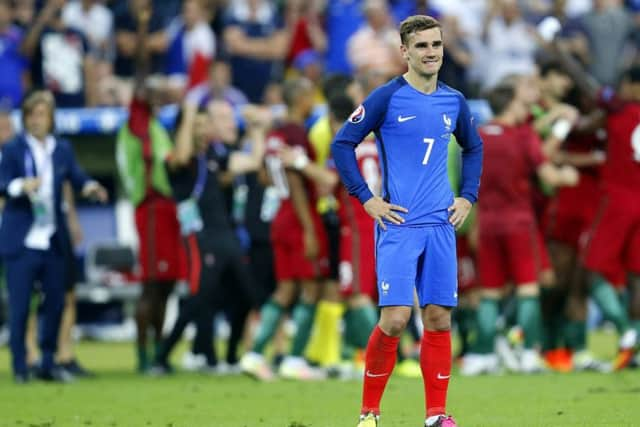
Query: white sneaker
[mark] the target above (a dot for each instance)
(628, 340)
(255, 365)
(478, 364)
(531, 362)
(223, 368)
(585, 361)
(193, 362)
(507, 354)
(296, 368)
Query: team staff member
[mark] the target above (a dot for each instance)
(34, 232)
(196, 169)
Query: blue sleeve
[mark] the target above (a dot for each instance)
(366, 118)
(8, 169)
(467, 136)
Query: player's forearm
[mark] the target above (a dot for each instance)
(471, 171)
(183, 148)
(299, 200)
(345, 158)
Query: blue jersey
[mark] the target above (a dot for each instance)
(413, 130)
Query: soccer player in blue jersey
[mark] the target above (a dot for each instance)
(413, 117)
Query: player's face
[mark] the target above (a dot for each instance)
(424, 52)
(528, 89)
(560, 84)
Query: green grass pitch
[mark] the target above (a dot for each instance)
(118, 397)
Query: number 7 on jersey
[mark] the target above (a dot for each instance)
(429, 142)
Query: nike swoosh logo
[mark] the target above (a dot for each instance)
(443, 377)
(404, 119)
(369, 374)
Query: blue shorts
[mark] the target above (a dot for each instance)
(423, 258)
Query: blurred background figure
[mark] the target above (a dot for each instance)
(375, 45)
(218, 87)
(191, 49)
(256, 42)
(34, 233)
(510, 44)
(142, 147)
(60, 60)
(13, 64)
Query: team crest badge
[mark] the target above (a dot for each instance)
(358, 114)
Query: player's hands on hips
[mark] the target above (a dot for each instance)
(459, 211)
(380, 210)
(311, 247)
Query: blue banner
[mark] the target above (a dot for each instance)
(107, 121)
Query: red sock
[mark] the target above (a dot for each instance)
(435, 361)
(380, 359)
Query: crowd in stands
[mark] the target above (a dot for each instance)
(83, 50)
(240, 69)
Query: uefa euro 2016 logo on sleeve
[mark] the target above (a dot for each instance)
(358, 114)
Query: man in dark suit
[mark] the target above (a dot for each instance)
(34, 232)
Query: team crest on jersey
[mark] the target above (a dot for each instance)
(447, 121)
(358, 114)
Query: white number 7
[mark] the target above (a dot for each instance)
(429, 142)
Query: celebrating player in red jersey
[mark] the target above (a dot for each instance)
(357, 259)
(299, 244)
(614, 241)
(507, 226)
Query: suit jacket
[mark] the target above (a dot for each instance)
(17, 216)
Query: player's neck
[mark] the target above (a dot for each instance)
(296, 117)
(421, 83)
(508, 120)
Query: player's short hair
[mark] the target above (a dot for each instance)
(416, 23)
(341, 106)
(552, 67)
(335, 83)
(500, 97)
(292, 88)
(32, 100)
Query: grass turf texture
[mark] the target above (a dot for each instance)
(119, 397)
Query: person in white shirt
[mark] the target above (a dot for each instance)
(34, 232)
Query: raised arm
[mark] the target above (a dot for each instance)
(141, 52)
(183, 149)
(257, 121)
(43, 19)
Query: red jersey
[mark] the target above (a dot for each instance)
(622, 168)
(350, 207)
(511, 156)
(291, 135)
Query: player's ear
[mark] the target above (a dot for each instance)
(404, 51)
